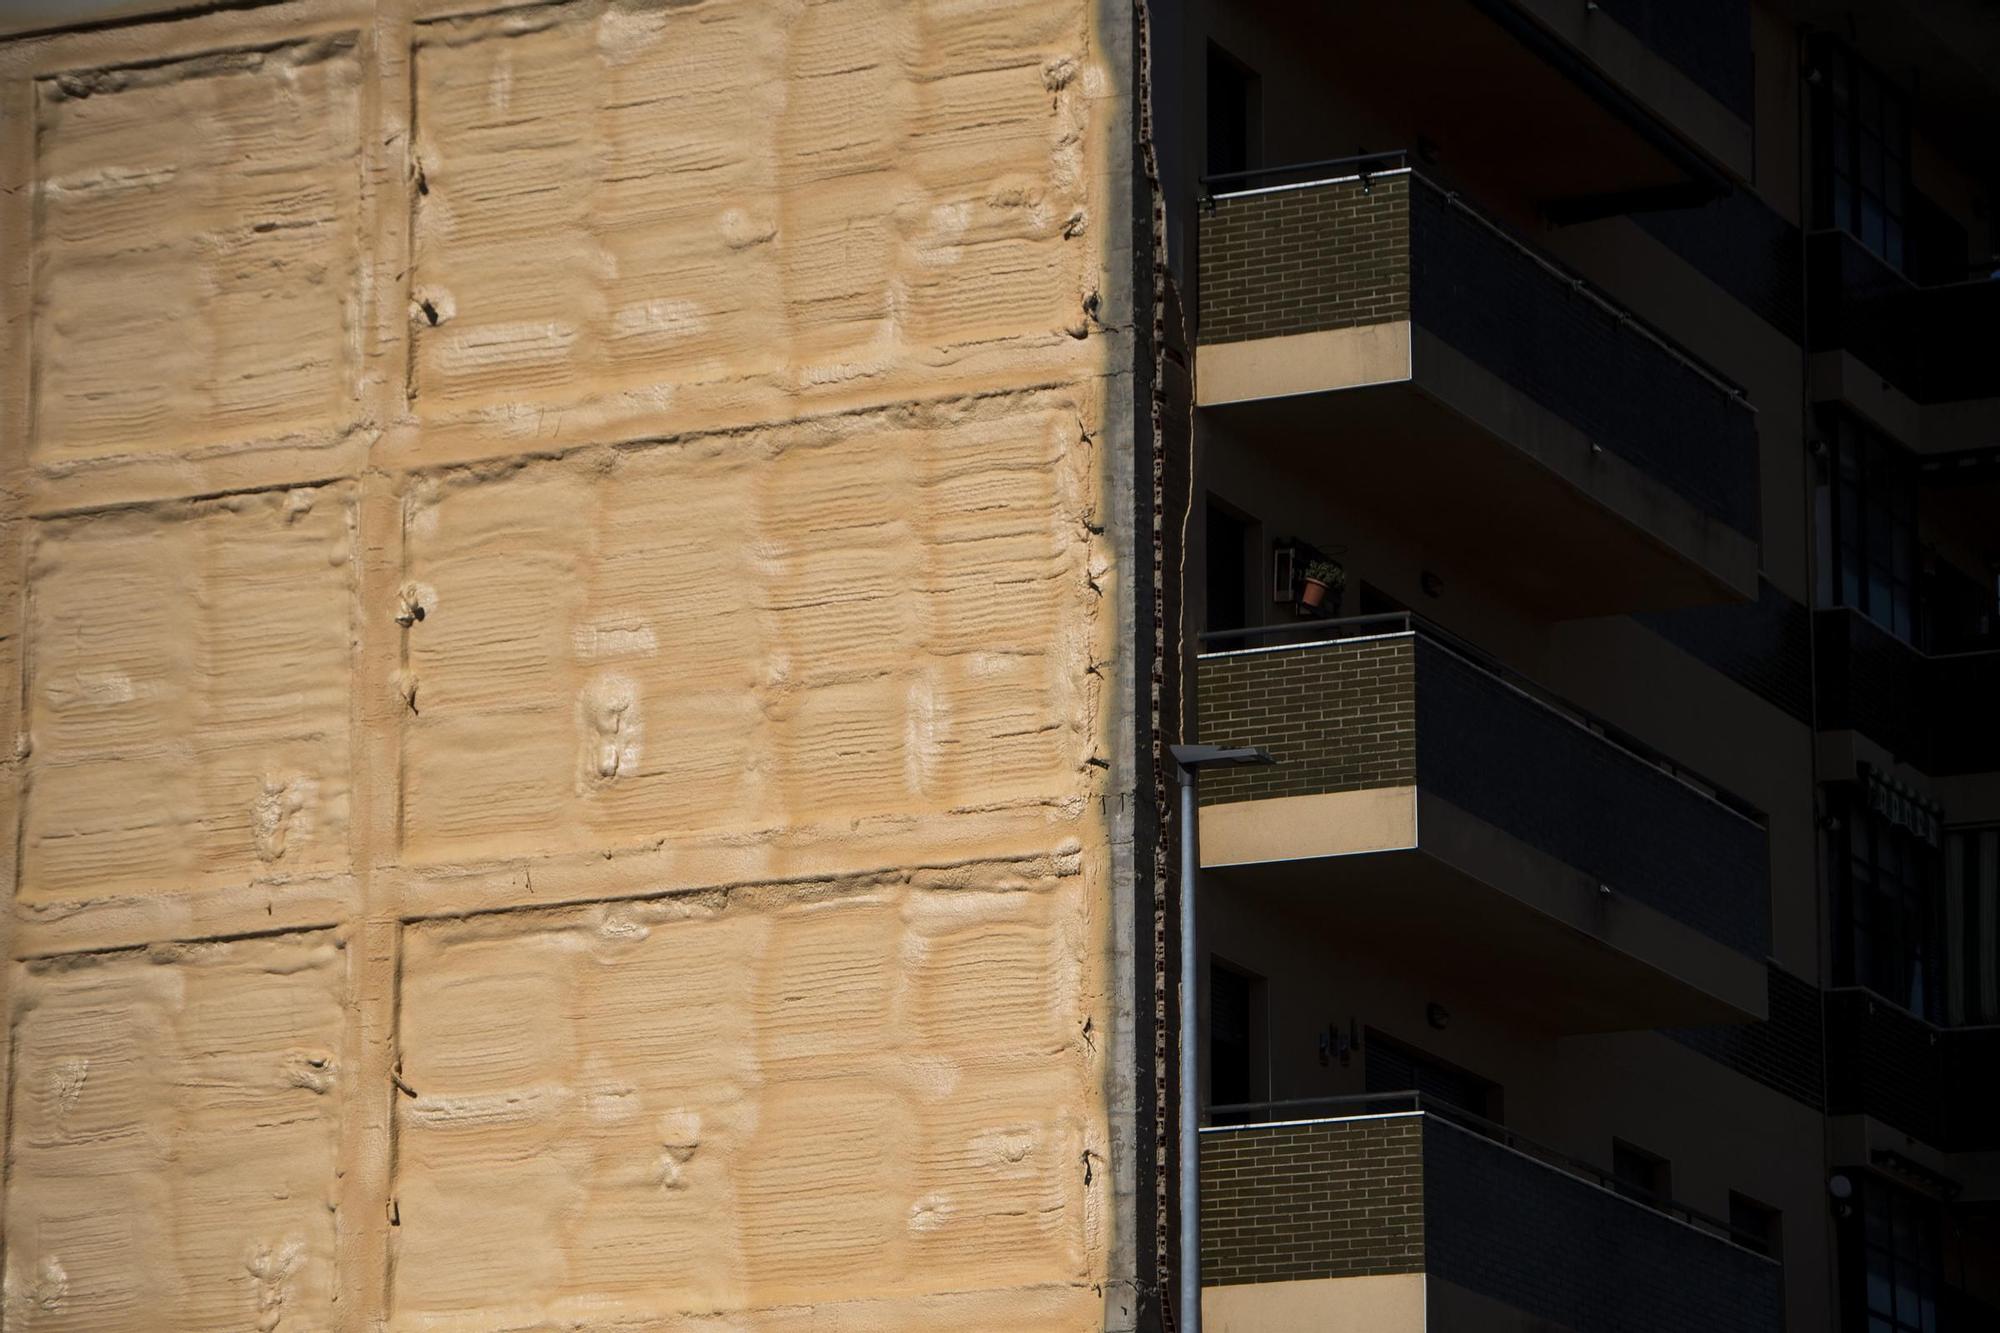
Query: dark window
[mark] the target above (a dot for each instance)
(1754, 1224)
(1394, 1067)
(1235, 1038)
(1870, 508)
(1972, 925)
(1235, 114)
(1886, 934)
(1897, 1259)
(1863, 139)
(1231, 547)
(1641, 1175)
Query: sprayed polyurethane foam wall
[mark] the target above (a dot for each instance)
(561, 611)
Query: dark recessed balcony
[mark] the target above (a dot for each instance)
(1575, 110)
(1936, 1084)
(1940, 714)
(1432, 809)
(1386, 339)
(1400, 1221)
(1936, 345)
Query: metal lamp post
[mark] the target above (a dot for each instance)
(1189, 760)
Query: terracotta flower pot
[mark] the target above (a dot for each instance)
(1314, 592)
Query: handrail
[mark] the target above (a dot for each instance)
(1507, 1138)
(1399, 156)
(1863, 618)
(1937, 1029)
(1574, 281)
(1989, 267)
(1692, 779)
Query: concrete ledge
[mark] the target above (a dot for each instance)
(1298, 828)
(1261, 368)
(1390, 1303)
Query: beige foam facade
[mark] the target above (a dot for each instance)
(563, 588)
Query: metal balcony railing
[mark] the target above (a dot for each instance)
(1348, 242)
(1936, 343)
(1244, 1115)
(1498, 747)
(1935, 1083)
(1400, 1182)
(1939, 712)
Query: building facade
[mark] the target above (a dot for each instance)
(568, 593)
(1612, 944)
(600, 592)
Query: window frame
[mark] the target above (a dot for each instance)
(1888, 909)
(1870, 510)
(1657, 1189)
(1896, 1252)
(1768, 1237)
(1863, 159)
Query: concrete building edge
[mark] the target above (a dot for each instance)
(1130, 819)
(1133, 817)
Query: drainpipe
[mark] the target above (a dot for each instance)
(1189, 760)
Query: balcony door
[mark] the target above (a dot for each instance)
(1238, 1064)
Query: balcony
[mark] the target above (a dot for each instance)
(1382, 337)
(1409, 1220)
(1937, 346)
(1940, 714)
(1431, 809)
(1937, 1084)
(1706, 40)
(1576, 111)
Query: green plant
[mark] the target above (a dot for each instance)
(1328, 572)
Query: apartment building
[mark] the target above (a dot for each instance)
(1613, 943)
(601, 594)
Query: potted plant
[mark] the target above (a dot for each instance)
(1323, 578)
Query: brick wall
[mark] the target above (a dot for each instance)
(1782, 1053)
(1338, 1198)
(1337, 717)
(1302, 261)
(1563, 1249)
